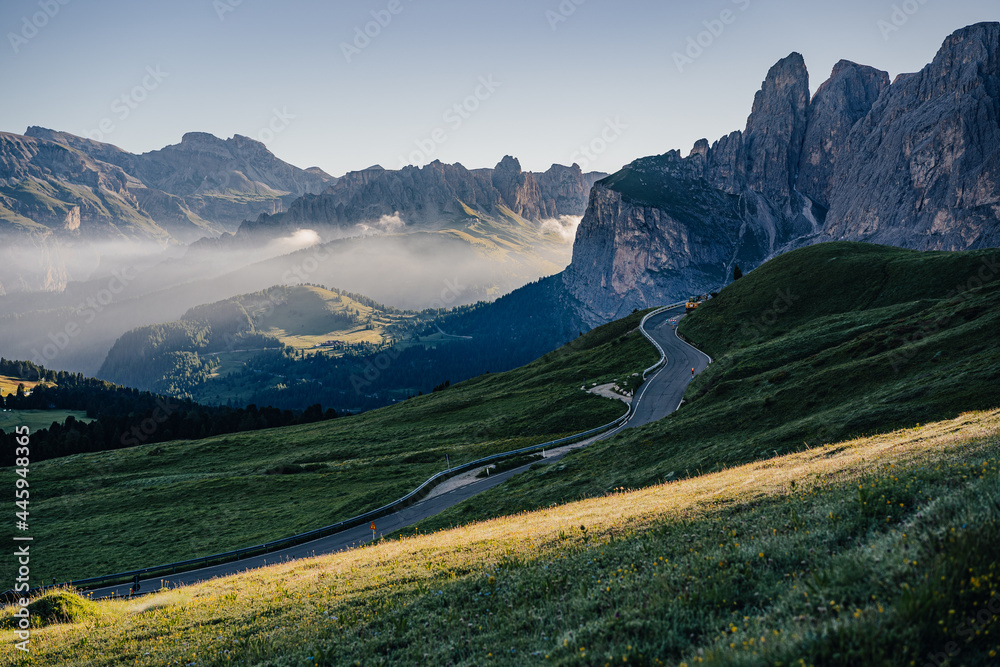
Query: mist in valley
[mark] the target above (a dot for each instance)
(564, 227)
(100, 291)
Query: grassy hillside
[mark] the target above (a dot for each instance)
(876, 551)
(820, 344)
(9, 384)
(111, 511)
(38, 419)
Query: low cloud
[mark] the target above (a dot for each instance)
(303, 238)
(564, 227)
(387, 224)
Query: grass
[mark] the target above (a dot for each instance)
(874, 551)
(312, 315)
(61, 605)
(38, 419)
(112, 511)
(818, 345)
(8, 385)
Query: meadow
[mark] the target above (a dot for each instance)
(8, 385)
(874, 551)
(37, 419)
(819, 345)
(117, 510)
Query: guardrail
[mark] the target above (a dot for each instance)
(361, 519)
(663, 355)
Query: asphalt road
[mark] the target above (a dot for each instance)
(662, 392)
(660, 395)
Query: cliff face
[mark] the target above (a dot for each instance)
(913, 164)
(434, 195)
(922, 168)
(653, 229)
(846, 97)
(51, 188)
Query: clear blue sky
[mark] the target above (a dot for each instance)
(226, 66)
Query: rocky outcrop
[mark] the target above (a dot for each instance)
(565, 190)
(432, 196)
(844, 99)
(651, 231)
(772, 140)
(50, 188)
(922, 168)
(915, 163)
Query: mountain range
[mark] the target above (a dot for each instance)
(62, 196)
(913, 163)
(59, 183)
(425, 197)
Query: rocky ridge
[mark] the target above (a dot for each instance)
(434, 195)
(914, 163)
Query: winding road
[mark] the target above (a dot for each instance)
(660, 395)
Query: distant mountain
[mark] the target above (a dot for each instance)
(221, 181)
(433, 196)
(267, 347)
(49, 188)
(63, 196)
(915, 164)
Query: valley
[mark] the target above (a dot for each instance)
(196, 494)
(733, 406)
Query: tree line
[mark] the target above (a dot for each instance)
(124, 417)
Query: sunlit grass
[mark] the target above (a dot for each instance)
(829, 555)
(112, 511)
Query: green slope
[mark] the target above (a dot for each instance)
(111, 511)
(875, 552)
(820, 344)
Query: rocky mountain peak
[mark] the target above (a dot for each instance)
(773, 136)
(843, 99)
(922, 168)
(915, 163)
(508, 164)
(968, 53)
(700, 148)
(194, 138)
(517, 189)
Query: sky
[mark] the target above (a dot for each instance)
(345, 84)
